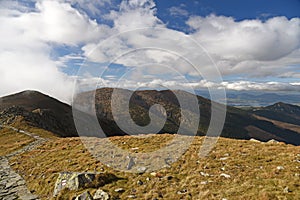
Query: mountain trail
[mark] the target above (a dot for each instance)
(12, 185)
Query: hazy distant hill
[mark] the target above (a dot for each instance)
(48, 113)
(252, 98)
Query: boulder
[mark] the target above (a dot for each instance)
(84, 196)
(255, 140)
(273, 141)
(72, 181)
(101, 195)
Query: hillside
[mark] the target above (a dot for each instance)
(38, 110)
(239, 124)
(47, 113)
(281, 112)
(235, 169)
(32, 157)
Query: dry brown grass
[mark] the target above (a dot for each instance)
(252, 167)
(11, 141)
(21, 124)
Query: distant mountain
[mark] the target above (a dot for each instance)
(280, 112)
(48, 113)
(253, 98)
(239, 124)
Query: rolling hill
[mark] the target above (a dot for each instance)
(50, 114)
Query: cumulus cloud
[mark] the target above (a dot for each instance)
(26, 42)
(184, 84)
(92, 7)
(249, 48)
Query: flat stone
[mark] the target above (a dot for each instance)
(84, 196)
(101, 195)
(72, 181)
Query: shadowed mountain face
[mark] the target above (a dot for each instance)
(39, 110)
(280, 112)
(50, 114)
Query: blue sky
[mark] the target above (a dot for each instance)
(240, 10)
(254, 45)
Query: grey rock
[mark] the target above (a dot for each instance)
(131, 163)
(141, 170)
(272, 141)
(101, 195)
(72, 181)
(84, 196)
(286, 190)
(139, 182)
(120, 190)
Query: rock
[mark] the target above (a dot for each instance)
(254, 140)
(286, 190)
(225, 175)
(153, 173)
(101, 195)
(159, 175)
(141, 170)
(280, 168)
(182, 191)
(120, 190)
(204, 174)
(273, 141)
(131, 163)
(84, 196)
(139, 182)
(224, 158)
(72, 181)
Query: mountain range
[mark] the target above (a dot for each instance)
(39, 110)
(255, 98)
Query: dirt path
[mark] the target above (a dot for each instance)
(12, 185)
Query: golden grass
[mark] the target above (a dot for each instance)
(21, 124)
(252, 168)
(11, 141)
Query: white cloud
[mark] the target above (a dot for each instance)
(93, 7)
(135, 14)
(183, 84)
(26, 42)
(248, 39)
(249, 48)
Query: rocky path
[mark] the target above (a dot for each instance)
(12, 185)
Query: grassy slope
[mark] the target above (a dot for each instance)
(252, 167)
(11, 141)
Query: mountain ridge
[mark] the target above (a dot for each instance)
(48, 113)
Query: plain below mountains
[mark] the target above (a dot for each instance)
(279, 121)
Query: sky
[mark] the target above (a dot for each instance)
(54, 46)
